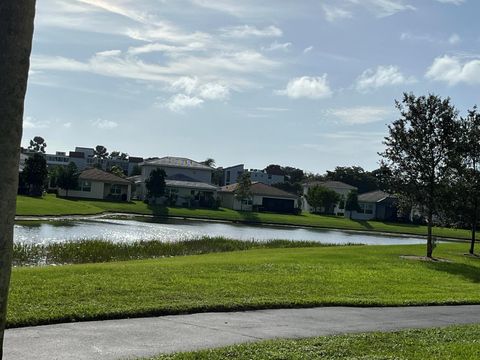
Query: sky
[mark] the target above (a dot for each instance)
(304, 83)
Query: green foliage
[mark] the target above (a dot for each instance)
(209, 162)
(67, 177)
(243, 190)
(100, 152)
(321, 197)
(155, 183)
(37, 144)
(117, 155)
(117, 171)
(351, 203)
(240, 280)
(454, 342)
(35, 174)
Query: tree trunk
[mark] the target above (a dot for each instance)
(474, 228)
(16, 30)
(429, 234)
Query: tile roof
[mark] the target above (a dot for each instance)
(331, 185)
(95, 174)
(374, 196)
(261, 189)
(177, 162)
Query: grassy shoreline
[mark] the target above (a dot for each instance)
(453, 342)
(52, 206)
(243, 280)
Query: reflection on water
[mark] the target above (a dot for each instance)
(118, 230)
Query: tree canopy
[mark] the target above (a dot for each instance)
(37, 144)
(155, 183)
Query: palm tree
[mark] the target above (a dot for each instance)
(16, 27)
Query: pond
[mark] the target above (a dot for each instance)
(171, 230)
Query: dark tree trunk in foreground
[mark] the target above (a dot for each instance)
(16, 31)
(474, 228)
(429, 235)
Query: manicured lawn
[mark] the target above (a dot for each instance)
(251, 279)
(459, 342)
(50, 205)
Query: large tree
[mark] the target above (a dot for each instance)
(321, 197)
(37, 144)
(243, 191)
(364, 181)
(35, 174)
(420, 149)
(100, 152)
(351, 203)
(16, 30)
(155, 183)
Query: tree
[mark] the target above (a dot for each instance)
(364, 181)
(321, 197)
(117, 171)
(155, 183)
(420, 149)
(467, 194)
(37, 144)
(243, 191)
(117, 155)
(209, 162)
(351, 203)
(67, 177)
(35, 174)
(16, 29)
(100, 152)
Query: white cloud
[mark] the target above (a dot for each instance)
(178, 103)
(272, 109)
(30, 122)
(245, 31)
(104, 124)
(333, 13)
(454, 70)
(307, 49)
(278, 46)
(307, 87)
(382, 76)
(360, 114)
(454, 39)
(454, 2)
(213, 91)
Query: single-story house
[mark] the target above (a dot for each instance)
(264, 198)
(377, 205)
(98, 184)
(339, 187)
(190, 193)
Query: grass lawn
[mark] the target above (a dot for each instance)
(251, 279)
(50, 205)
(458, 342)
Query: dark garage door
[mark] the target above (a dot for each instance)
(278, 205)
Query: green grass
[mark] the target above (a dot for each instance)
(457, 342)
(50, 205)
(95, 251)
(253, 279)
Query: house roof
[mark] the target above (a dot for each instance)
(134, 159)
(331, 185)
(260, 189)
(95, 174)
(190, 185)
(374, 196)
(176, 162)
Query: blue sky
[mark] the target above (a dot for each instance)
(305, 83)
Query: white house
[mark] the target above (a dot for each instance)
(232, 173)
(376, 205)
(263, 198)
(101, 185)
(188, 182)
(340, 188)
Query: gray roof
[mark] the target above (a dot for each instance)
(331, 185)
(374, 196)
(190, 185)
(176, 162)
(261, 189)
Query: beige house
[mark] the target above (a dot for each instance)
(263, 198)
(101, 185)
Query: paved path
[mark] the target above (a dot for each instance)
(133, 338)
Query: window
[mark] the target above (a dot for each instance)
(116, 189)
(366, 208)
(85, 186)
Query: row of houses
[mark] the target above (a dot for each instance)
(189, 183)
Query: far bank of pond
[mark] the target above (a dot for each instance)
(172, 230)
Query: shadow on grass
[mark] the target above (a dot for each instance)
(469, 272)
(365, 224)
(158, 210)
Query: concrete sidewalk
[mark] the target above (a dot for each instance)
(134, 338)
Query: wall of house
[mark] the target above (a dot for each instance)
(231, 174)
(368, 212)
(200, 175)
(96, 191)
(125, 191)
(264, 178)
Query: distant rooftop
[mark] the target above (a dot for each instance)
(261, 189)
(95, 174)
(375, 196)
(331, 185)
(177, 162)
